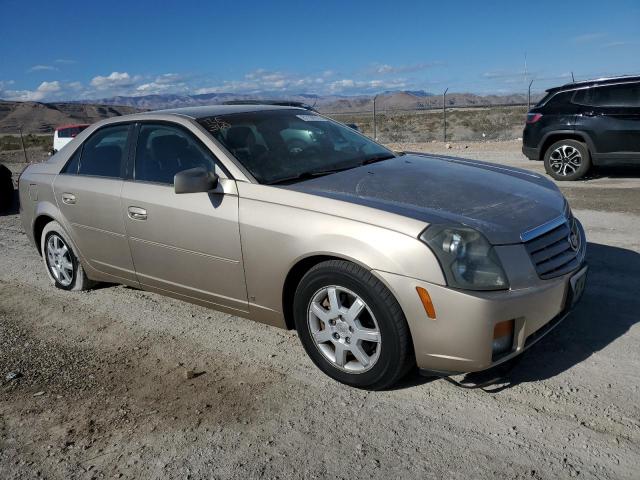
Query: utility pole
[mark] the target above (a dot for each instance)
(444, 115)
(375, 130)
(26, 160)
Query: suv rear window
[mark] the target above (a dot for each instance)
(627, 95)
(544, 99)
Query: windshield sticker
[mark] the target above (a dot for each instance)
(214, 124)
(312, 118)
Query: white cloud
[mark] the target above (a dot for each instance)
(42, 68)
(588, 37)
(348, 85)
(167, 82)
(617, 44)
(113, 81)
(45, 89)
(384, 69)
(261, 80)
(265, 80)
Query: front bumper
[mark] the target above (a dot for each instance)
(460, 339)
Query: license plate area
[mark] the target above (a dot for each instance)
(577, 284)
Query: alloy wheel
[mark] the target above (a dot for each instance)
(565, 160)
(344, 329)
(59, 260)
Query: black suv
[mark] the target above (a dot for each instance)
(580, 124)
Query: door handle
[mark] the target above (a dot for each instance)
(589, 114)
(69, 198)
(137, 213)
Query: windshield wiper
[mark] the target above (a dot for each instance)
(377, 158)
(319, 173)
(311, 174)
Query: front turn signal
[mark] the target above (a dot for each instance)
(425, 298)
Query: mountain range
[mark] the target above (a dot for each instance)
(38, 117)
(408, 100)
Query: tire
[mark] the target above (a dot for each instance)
(58, 254)
(567, 160)
(372, 361)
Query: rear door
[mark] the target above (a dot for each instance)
(611, 117)
(188, 244)
(88, 194)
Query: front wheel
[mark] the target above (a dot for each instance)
(351, 326)
(567, 160)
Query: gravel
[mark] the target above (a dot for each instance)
(113, 368)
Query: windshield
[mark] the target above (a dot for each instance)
(288, 145)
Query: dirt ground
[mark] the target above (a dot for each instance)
(103, 391)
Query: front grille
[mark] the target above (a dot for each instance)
(552, 253)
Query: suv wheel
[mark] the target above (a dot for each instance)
(351, 326)
(567, 160)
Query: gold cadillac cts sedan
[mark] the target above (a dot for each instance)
(380, 261)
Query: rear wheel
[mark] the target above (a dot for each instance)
(351, 326)
(60, 260)
(567, 160)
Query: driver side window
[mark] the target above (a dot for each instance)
(163, 150)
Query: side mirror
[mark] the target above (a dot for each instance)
(353, 126)
(195, 180)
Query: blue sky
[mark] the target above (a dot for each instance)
(71, 50)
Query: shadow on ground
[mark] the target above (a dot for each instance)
(619, 171)
(608, 309)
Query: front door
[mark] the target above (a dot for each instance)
(187, 244)
(88, 194)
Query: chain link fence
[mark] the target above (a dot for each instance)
(491, 122)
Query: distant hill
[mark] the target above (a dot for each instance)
(35, 117)
(329, 103)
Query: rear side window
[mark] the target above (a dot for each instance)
(103, 153)
(627, 95)
(70, 132)
(164, 150)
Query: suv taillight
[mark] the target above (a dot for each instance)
(533, 117)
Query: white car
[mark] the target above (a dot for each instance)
(64, 134)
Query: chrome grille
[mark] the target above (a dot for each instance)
(553, 253)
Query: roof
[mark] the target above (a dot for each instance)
(213, 110)
(596, 81)
(284, 103)
(72, 125)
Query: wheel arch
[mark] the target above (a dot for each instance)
(39, 223)
(295, 274)
(554, 137)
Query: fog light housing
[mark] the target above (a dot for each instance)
(502, 338)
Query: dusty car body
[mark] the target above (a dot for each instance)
(390, 230)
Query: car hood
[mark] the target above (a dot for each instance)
(501, 202)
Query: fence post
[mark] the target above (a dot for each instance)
(444, 115)
(26, 160)
(375, 130)
(529, 96)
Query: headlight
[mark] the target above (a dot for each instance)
(468, 260)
